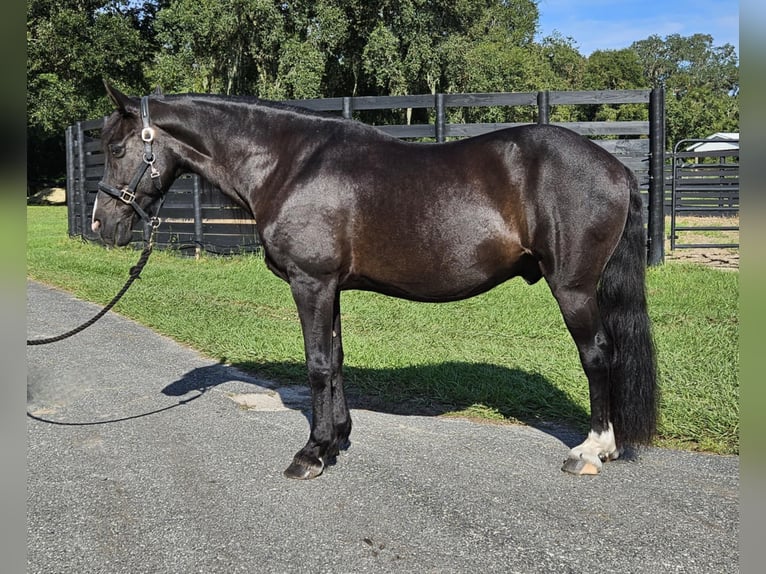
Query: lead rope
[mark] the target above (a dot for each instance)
(135, 272)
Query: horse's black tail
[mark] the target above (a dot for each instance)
(622, 302)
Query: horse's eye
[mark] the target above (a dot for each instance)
(117, 150)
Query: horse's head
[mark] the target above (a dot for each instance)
(139, 168)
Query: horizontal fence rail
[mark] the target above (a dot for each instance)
(705, 183)
(196, 216)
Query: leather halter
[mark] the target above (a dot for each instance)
(127, 194)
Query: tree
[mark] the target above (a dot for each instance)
(564, 60)
(701, 83)
(218, 46)
(493, 51)
(71, 46)
(682, 61)
(614, 70)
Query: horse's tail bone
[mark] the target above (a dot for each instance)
(622, 302)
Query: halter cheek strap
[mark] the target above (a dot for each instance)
(128, 193)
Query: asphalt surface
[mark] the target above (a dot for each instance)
(145, 457)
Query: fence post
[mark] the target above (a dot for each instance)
(543, 107)
(81, 182)
(656, 219)
(440, 118)
(199, 237)
(347, 109)
(70, 191)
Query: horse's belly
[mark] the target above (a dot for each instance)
(440, 274)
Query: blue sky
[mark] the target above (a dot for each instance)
(615, 24)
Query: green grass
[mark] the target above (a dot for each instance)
(504, 355)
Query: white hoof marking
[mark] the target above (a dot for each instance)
(598, 447)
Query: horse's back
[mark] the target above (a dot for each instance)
(541, 167)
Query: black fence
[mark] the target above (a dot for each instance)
(198, 217)
(705, 183)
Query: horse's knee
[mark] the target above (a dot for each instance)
(320, 377)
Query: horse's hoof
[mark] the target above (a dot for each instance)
(303, 469)
(580, 467)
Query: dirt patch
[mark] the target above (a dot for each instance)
(48, 196)
(717, 257)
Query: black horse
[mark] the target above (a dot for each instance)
(339, 205)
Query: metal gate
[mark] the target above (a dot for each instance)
(705, 183)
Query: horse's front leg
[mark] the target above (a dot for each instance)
(315, 300)
(341, 415)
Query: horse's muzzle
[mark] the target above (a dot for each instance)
(111, 224)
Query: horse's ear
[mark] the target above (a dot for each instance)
(126, 105)
(158, 91)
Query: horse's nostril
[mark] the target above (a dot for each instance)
(95, 226)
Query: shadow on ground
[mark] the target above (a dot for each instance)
(534, 394)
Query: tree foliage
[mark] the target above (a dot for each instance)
(292, 49)
(701, 83)
(71, 46)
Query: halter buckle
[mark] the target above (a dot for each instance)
(127, 196)
(154, 173)
(147, 135)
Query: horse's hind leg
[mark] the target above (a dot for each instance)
(316, 300)
(581, 315)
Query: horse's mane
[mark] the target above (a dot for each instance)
(251, 100)
(256, 102)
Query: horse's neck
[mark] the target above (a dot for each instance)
(237, 164)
